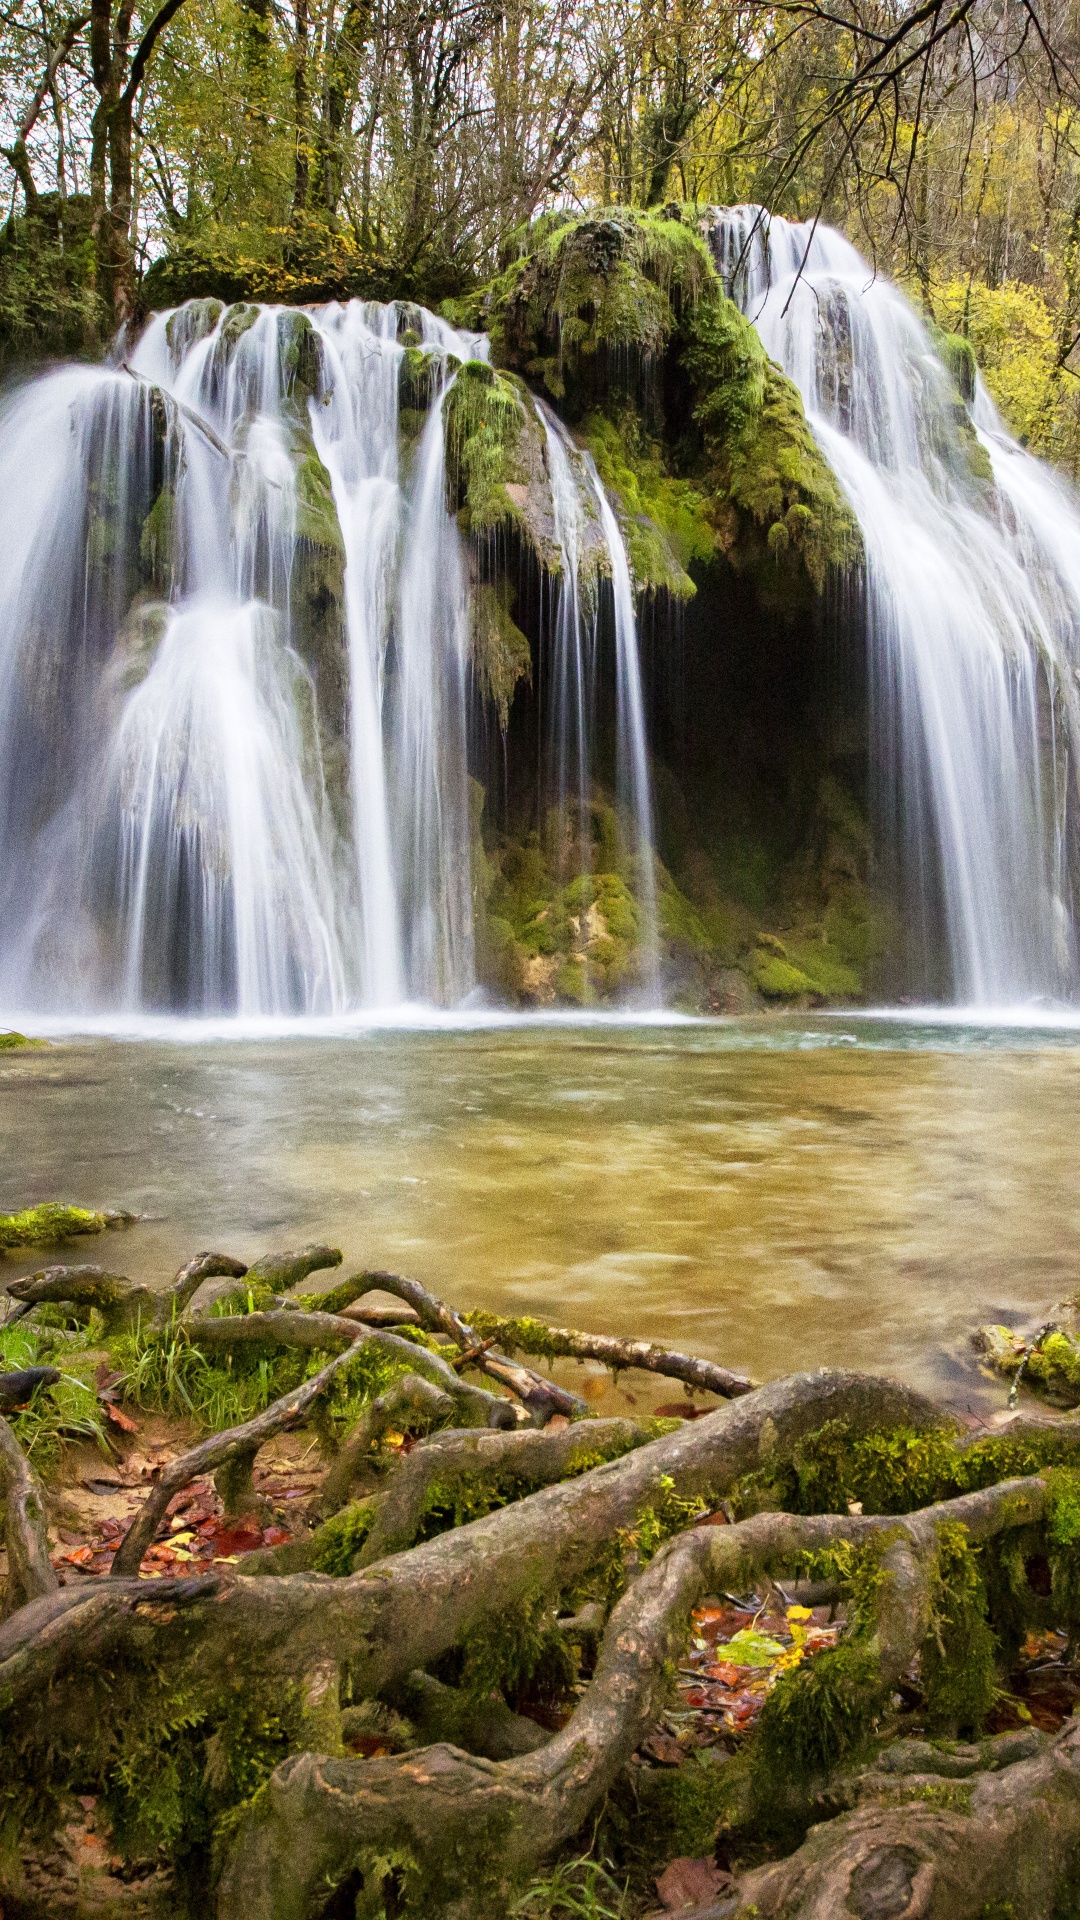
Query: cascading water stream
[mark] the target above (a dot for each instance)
(973, 591)
(233, 732)
(578, 498)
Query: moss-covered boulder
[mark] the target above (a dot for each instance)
(192, 322)
(775, 503)
(701, 440)
(596, 288)
(300, 355)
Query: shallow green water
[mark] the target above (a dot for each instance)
(775, 1194)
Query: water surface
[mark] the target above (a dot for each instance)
(774, 1193)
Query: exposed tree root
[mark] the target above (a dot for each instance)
(321, 1818)
(30, 1573)
(492, 1467)
(409, 1609)
(533, 1336)
(540, 1397)
(584, 1537)
(1007, 1844)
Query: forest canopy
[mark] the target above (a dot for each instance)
(307, 149)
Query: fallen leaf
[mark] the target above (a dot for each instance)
(119, 1418)
(661, 1747)
(751, 1649)
(79, 1556)
(275, 1536)
(235, 1540)
(685, 1883)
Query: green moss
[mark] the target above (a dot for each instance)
(484, 416)
(774, 976)
(664, 521)
(301, 358)
(48, 1225)
(812, 1719)
(189, 324)
(156, 539)
(771, 479)
(337, 1542)
(1053, 1367)
(10, 1041)
(316, 512)
(898, 1470)
(499, 652)
(679, 1809)
(236, 322)
(606, 282)
(958, 355)
(958, 1660)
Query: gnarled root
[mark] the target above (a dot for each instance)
(1005, 1842)
(411, 1608)
(30, 1571)
(541, 1398)
(322, 1819)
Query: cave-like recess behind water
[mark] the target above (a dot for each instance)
(170, 831)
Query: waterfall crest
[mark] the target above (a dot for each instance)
(235, 669)
(973, 604)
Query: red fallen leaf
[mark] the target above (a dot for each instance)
(119, 1418)
(728, 1676)
(275, 1536)
(686, 1883)
(718, 1519)
(371, 1746)
(235, 1540)
(79, 1556)
(679, 1410)
(694, 1697)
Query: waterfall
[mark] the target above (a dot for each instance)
(587, 537)
(973, 606)
(235, 638)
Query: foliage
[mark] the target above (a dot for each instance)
(68, 1410)
(581, 1889)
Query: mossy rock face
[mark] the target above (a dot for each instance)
(664, 521)
(1047, 1363)
(610, 283)
(776, 978)
(317, 607)
(238, 320)
(777, 507)
(484, 417)
(958, 355)
(301, 357)
(189, 324)
(589, 313)
(157, 541)
(419, 377)
(498, 650)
